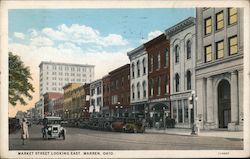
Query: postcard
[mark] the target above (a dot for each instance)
(124, 79)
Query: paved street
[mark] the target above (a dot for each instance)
(85, 139)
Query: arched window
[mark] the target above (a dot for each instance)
(166, 57)
(159, 86)
(151, 87)
(144, 66)
(138, 68)
(166, 84)
(158, 60)
(133, 91)
(133, 70)
(177, 84)
(189, 49)
(138, 90)
(188, 80)
(177, 52)
(144, 89)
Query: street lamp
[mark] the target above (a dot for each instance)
(192, 99)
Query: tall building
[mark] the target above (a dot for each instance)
(219, 67)
(182, 70)
(138, 79)
(53, 76)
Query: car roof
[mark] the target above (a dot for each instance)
(53, 118)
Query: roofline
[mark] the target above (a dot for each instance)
(63, 63)
(182, 25)
(120, 68)
(139, 48)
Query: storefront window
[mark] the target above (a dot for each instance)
(185, 111)
(180, 119)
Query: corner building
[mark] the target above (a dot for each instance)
(219, 68)
(182, 70)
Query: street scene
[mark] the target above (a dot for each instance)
(126, 79)
(89, 139)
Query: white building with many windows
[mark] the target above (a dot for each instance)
(182, 70)
(96, 97)
(139, 79)
(219, 67)
(53, 76)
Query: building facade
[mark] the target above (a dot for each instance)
(49, 98)
(139, 80)
(158, 81)
(182, 70)
(40, 108)
(219, 67)
(58, 107)
(96, 101)
(70, 102)
(106, 95)
(120, 91)
(53, 76)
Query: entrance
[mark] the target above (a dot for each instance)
(224, 104)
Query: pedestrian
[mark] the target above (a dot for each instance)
(24, 130)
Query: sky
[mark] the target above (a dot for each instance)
(101, 37)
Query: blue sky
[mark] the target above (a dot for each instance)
(101, 37)
(132, 24)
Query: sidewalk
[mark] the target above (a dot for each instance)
(212, 133)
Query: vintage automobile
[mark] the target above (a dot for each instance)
(118, 124)
(52, 128)
(135, 126)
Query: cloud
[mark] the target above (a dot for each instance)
(41, 41)
(151, 35)
(19, 35)
(82, 34)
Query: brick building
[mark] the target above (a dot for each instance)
(58, 107)
(120, 91)
(106, 95)
(158, 79)
(49, 97)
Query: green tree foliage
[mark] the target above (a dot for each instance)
(19, 86)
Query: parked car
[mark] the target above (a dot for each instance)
(118, 124)
(53, 128)
(135, 126)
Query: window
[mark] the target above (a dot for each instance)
(208, 53)
(122, 81)
(144, 89)
(186, 111)
(158, 60)
(98, 100)
(144, 66)
(177, 49)
(93, 102)
(177, 79)
(166, 84)
(138, 68)
(92, 92)
(188, 80)
(208, 25)
(232, 16)
(99, 90)
(188, 49)
(151, 87)
(233, 45)
(138, 90)
(180, 118)
(219, 49)
(133, 92)
(133, 70)
(219, 20)
(166, 57)
(151, 63)
(159, 86)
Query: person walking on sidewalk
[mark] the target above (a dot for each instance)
(24, 130)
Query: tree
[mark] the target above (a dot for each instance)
(19, 76)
